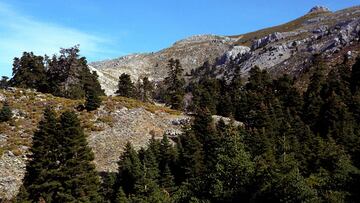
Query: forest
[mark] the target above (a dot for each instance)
(295, 145)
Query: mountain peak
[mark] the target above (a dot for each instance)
(317, 9)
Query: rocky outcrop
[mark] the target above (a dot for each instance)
(316, 9)
(281, 49)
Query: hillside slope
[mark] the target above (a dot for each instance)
(286, 48)
(117, 121)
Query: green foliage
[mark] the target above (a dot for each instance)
(66, 75)
(29, 72)
(175, 83)
(60, 169)
(93, 101)
(126, 87)
(4, 82)
(5, 113)
(146, 89)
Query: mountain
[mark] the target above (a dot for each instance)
(286, 48)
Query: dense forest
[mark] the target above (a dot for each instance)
(293, 146)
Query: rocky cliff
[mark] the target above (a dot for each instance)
(286, 48)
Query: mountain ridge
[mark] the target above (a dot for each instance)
(280, 49)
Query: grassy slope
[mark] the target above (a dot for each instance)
(247, 39)
(29, 106)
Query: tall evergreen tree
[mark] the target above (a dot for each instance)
(175, 85)
(312, 97)
(79, 178)
(41, 178)
(130, 170)
(126, 87)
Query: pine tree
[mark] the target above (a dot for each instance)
(191, 157)
(68, 75)
(79, 178)
(167, 180)
(312, 97)
(175, 85)
(41, 178)
(147, 88)
(126, 87)
(29, 72)
(93, 101)
(130, 170)
(121, 196)
(5, 113)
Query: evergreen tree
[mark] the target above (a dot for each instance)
(69, 76)
(175, 85)
(41, 178)
(130, 170)
(79, 178)
(4, 82)
(147, 88)
(355, 76)
(121, 197)
(5, 113)
(126, 87)
(312, 97)
(93, 101)
(29, 72)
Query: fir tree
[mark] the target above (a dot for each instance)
(40, 181)
(93, 101)
(175, 85)
(5, 113)
(121, 196)
(130, 170)
(126, 87)
(29, 72)
(79, 179)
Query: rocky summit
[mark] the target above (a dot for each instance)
(286, 48)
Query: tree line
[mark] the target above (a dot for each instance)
(293, 147)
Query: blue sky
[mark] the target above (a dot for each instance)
(110, 28)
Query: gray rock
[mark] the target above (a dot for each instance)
(266, 40)
(316, 9)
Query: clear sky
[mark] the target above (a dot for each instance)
(110, 28)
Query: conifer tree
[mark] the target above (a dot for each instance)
(175, 85)
(79, 178)
(355, 76)
(41, 177)
(312, 97)
(121, 196)
(29, 72)
(5, 112)
(126, 87)
(130, 170)
(191, 157)
(93, 101)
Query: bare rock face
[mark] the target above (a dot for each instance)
(316, 9)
